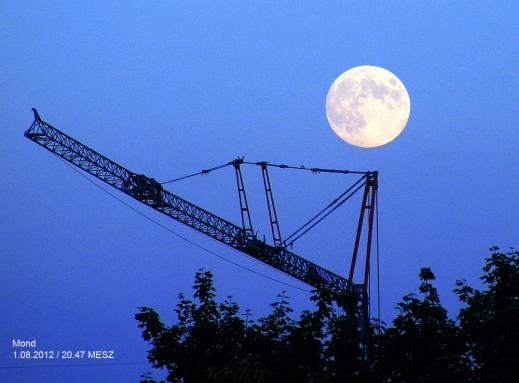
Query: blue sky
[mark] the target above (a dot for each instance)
(167, 88)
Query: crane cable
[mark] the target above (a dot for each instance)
(265, 163)
(378, 265)
(302, 167)
(183, 237)
(202, 172)
(330, 205)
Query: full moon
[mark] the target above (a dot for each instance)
(367, 106)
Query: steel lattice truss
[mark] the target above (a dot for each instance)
(151, 193)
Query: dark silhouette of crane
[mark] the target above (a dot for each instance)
(151, 193)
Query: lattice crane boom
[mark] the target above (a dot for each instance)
(151, 193)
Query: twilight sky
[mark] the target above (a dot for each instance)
(168, 88)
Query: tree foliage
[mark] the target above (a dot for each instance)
(210, 342)
(490, 319)
(423, 345)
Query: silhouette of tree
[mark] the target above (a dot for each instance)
(490, 320)
(211, 343)
(303, 346)
(423, 345)
(346, 347)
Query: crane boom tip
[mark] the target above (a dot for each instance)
(36, 114)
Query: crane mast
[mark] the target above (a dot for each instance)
(151, 193)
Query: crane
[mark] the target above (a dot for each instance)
(152, 193)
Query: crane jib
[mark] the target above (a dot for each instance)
(150, 192)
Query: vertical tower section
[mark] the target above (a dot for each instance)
(274, 222)
(367, 212)
(242, 196)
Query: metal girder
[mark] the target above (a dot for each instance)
(152, 194)
(369, 199)
(273, 215)
(246, 221)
